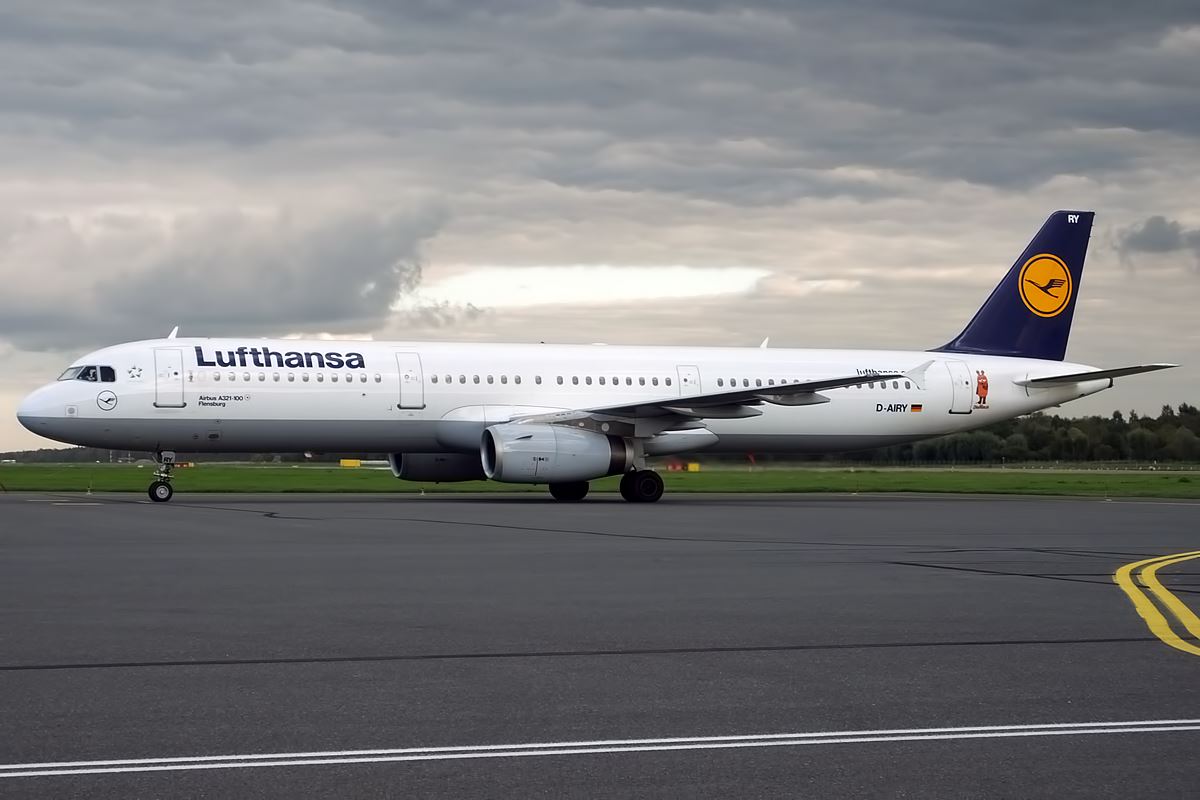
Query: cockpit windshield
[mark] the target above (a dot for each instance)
(90, 373)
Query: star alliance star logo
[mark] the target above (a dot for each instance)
(135, 372)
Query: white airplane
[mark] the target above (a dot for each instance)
(563, 415)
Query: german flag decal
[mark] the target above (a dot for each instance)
(917, 407)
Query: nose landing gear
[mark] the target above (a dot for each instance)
(160, 491)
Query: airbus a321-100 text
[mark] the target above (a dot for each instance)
(563, 415)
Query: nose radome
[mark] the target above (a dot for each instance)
(33, 407)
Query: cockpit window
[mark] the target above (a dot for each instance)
(90, 373)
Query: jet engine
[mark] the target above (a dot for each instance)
(436, 467)
(537, 453)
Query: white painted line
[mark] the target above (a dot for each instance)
(77, 504)
(525, 750)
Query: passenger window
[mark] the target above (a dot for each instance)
(231, 376)
(629, 381)
(262, 377)
(575, 379)
(770, 381)
(641, 381)
(537, 379)
(758, 381)
(668, 381)
(601, 380)
(516, 378)
(433, 378)
(616, 381)
(654, 381)
(720, 381)
(449, 379)
(588, 380)
(333, 377)
(320, 377)
(907, 385)
(895, 384)
(503, 379)
(109, 375)
(304, 377)
(275, 377)
(560, 380)
(378, 377)
(362, 377)
(490, 379)
(217, 377)
(745, 381)
(462, 378)
(291, 377)
(475, 378)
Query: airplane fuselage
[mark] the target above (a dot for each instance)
(235, 395)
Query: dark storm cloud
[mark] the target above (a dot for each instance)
(1158, 236)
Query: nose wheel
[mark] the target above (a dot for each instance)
(161, 491)
(642, 486)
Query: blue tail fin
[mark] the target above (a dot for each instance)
(1029, 313)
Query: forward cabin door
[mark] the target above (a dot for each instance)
(689, 381)
(168, 378)
(963, 397)
(412, 381)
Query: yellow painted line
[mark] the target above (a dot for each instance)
(1148, 611)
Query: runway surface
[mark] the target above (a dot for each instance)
(705, 646)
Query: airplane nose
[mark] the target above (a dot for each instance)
(33, 408)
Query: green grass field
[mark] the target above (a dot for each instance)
(228, 478)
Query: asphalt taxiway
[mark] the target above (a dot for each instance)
(471, 646)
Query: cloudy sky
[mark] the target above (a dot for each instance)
(857, 173)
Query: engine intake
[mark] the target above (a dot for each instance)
(436, 467)
(537, 453)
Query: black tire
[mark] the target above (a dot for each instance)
(646, 486)
(569, 492)
(627, 487)
(160, 491)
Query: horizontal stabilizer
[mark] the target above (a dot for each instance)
(1094, 375)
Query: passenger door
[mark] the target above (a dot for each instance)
(168, 378)
(963, 397)
(412, 381)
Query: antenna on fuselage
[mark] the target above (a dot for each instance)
(763, 346)
(174, 331)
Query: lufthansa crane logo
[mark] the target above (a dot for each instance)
(1045, 285)
(106, 400)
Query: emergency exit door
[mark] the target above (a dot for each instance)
(412, 381)
(689, 381)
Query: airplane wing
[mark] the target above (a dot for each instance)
(730, 404)
(1093, 375)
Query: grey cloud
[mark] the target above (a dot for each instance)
(1158, 236)
(252, 272)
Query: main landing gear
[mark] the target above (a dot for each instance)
(569, 492)
(639, 486)
(160, 491)
(642, 486)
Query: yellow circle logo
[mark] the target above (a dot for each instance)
(1045, 285)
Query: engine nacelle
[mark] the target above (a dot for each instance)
(535, 453)
(436, 467)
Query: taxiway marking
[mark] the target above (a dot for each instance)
(1147, 574)
(530, 749)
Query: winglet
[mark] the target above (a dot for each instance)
(917, 374)
(173, 333)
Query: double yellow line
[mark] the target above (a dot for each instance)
(1145, 573)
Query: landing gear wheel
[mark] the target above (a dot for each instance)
(161, 491)
(643, 486)
(569, 492)
(627, 487)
